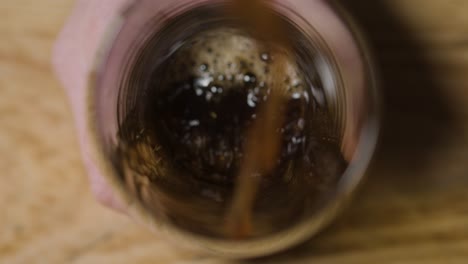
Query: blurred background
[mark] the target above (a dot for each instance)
(413, 207)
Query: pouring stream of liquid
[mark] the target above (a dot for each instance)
(262, 147)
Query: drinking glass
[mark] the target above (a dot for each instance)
(137, 40)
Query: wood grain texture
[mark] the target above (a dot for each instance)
(412, 209)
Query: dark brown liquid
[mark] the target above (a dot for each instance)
(182, 143)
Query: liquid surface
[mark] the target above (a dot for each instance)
(204, 105)
(182, 143)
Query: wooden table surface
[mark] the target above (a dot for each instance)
(412, 209)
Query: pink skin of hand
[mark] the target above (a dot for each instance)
(74, 55)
